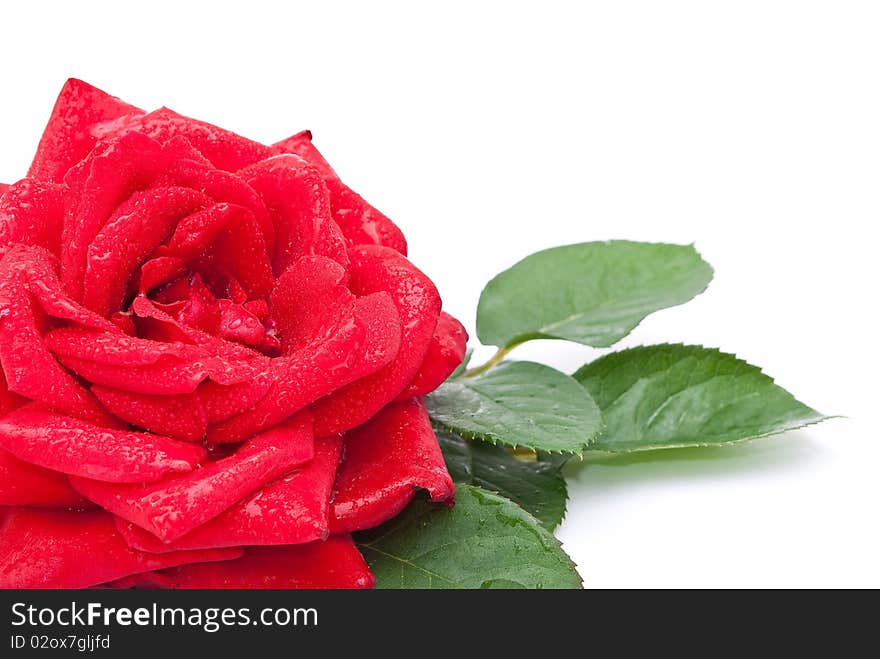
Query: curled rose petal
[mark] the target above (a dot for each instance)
(222, 402)
(375, 269)
(115, 349)
(66, 549)
(291, 510)
(25, 484)
(445, 353)
(364, 344)
(333, 563)
(241, 253)
(308, 301)
(223, 148)
(78, 448)
(361, 223)
(298, 199)
(199, 174)
(34, 269)
(385, 460)
(8, 400)
(97, 186)
(301, 145)
(181, 417)
(195, 234)
(32, 213)
(142, 365)
(30, 369)
(156, 324)
(166, 376)
(172, 508)
(132, 233)
(229, 240)
(160, 270)
(82, 115)
(143, 580)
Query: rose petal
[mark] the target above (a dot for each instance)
(24, 484)
(98, 185)
(75, 447)
(175, 507)
(145, 366)
(291, 510)
(66, 549)
(241, 252)
(43, 283)
(445, 353)
(361, 223)
(8, 400)
(231, 240)
(259, 308)
(145, 580)
(155, 321)
(160, 270)
(385, 460)
(181, 152)
(308, 301)
(225, 187)
(223, 318)
(137, 227)
(82, 115)
(195, 234)
(181, 417)
(418, 305)
(238, 324)
(34, 270)
(302, 146)
(166, 377)
(32, 213)
(116, 349)
(333, 563)
(298, 200)
(223, 148)
(29, 367)
(365, 342)
(223, 402)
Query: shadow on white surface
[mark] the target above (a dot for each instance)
(597, 474)
(791, 511)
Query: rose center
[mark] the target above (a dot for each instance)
(220, 307)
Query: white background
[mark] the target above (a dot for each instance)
(488, 131)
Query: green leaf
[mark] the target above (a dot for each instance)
(535, 484)
(519, 404)
(671, 396)
(485, 541)
(592, 293)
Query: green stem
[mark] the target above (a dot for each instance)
(493, 361)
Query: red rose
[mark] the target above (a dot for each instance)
(213, 355)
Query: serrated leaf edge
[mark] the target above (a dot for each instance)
(589, 441)
(490, 439)
(718, 351)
